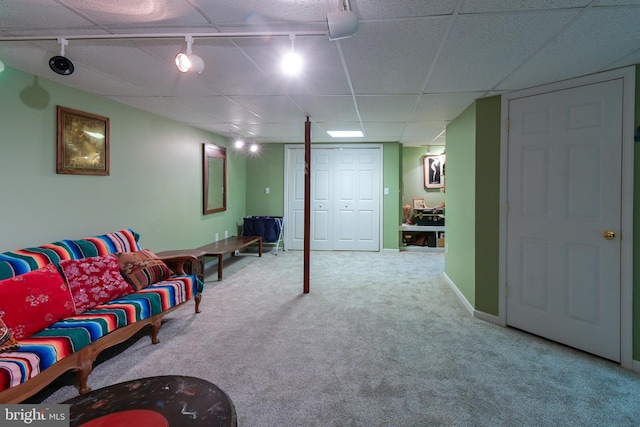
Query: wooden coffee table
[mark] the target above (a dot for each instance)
(229, 246)
(163, 401)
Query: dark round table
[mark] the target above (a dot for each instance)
(171, 401)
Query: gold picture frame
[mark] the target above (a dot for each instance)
(82, 143)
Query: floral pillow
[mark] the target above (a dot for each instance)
(94, 281)
(7, 340)
(32, 301)
(142, 268)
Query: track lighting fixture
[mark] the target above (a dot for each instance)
(188, 61)
(292, 62)
(253, 148)
(342, 24)
(60, 64)
(239, 143)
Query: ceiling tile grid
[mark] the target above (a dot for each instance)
(410, 69)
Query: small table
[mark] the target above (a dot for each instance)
(229, 246)
(163, 401)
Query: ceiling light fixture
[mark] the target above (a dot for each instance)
(59, 64)
(292, 62)
(188, 61)
(343, 23)
(239, 143)
(254, 147)
(345, 133)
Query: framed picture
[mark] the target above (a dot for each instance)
(83, 143)
(419, 204)
(434, 171)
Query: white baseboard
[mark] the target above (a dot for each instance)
(491, 318)
(472, 311)
(459, 294)
(390, 250)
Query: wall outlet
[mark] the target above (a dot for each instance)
(267, 190)
(216, 237)
(226, 234)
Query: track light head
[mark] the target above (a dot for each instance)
(59, 64)
(187, 61)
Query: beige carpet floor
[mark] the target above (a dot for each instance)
(381, 340)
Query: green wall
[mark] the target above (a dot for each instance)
(392, 208)
(460, 246)
(266, 169)
(155, 184)
(487, 204)
(413, 177)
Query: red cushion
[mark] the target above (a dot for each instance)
(32, 301)
(94, 281)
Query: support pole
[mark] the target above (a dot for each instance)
(307, 202)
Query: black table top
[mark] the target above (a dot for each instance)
(172, 401)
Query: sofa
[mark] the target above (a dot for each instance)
(63, 303)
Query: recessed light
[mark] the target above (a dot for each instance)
(345, 133)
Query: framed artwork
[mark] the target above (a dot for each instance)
(419, 204)
(434, 171)
(83, 143)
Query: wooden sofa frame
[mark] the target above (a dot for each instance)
(82, 360)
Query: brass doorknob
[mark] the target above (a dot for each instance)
(609, 235)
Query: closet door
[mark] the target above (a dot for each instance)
(357, 200)
(345, 198)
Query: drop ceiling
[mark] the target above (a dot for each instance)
(412, 67)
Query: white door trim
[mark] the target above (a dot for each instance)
(627, 75)
(287, 151)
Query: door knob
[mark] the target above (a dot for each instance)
(609, 235)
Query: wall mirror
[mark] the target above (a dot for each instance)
(214, 178)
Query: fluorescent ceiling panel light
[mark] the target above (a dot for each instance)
(345, 133)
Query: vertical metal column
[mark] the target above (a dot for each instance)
(307, 202)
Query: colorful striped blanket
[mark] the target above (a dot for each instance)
(43, 349)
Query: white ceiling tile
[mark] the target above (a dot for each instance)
(389, 9)
(127, 12)
(443, 106)
(392, 131)
(265, 13)
(323, 108)
(272, 108)
(446, 53)
(488, 6)
(393, 57)
(424, 131)
(568, 55)
(478, 54)
(388, 108)
(20, 14)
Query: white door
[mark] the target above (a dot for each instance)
(357, 198)
(564, 196)
(345, 198)
(321, 199)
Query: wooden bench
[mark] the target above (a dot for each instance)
(229, 246)
(220, 248)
